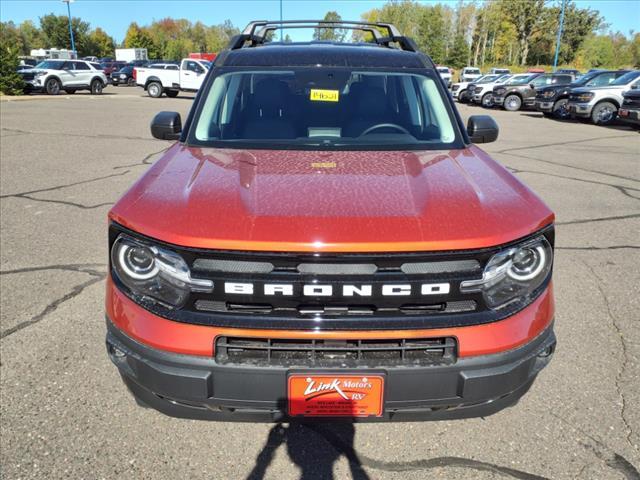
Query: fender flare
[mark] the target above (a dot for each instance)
(152, 79)
(608, 99)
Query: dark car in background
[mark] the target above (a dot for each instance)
(110, 67)
(553, 101)
(514, 95)
(629, 112)
(124, 76)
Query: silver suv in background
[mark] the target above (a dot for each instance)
(53, 76)
(601, 104)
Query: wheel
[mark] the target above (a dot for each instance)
(561, 109)
(96, 87)
(487, 100)
(131, 82)
(547, 114)
(114, 84)
(70, 91)
(512, 103)
(604, 113)
(462, 97)
(53, 86)
(172, 93)
(154, 89)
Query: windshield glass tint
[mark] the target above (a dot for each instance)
(488, 79)
(51, 64)
(472, 71)
(330, 108)
(626, 78)
(520, 80)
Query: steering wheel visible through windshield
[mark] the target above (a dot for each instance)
(337, 108)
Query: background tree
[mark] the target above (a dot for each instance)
(330, 34)
(10, 82)
(101, 44)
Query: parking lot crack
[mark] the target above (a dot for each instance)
(625, 353)
(599, 219)
(612, 247)
(88, 269)
(64, 185)
(423, 464)
(79, 135)
(145, 161)
(597, 172)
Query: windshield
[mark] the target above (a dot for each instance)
(520, 80)
(488, 78)
(626, 78)
(50, 64)
(443, 69)
(338, 108)
(472, 71)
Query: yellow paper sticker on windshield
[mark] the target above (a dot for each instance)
(318, 95)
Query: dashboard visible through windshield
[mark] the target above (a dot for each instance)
(332, 108)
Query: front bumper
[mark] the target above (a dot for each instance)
(498, 100)
(580, 109)
(544, 106)
(629, 115)
(198, 387)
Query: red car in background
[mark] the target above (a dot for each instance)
(110, 67)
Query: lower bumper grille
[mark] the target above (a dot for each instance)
(335, 353)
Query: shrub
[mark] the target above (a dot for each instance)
(11, 82)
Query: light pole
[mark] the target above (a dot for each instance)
(555, 58)
(281, 33)
(73, 43)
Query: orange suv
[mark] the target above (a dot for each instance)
(326, 241)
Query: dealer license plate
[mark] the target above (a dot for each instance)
(335, 395)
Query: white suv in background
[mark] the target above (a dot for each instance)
(53, 76)
(445, 74)
(469, 74)
(483, 92)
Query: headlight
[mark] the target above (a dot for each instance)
(514, 274)
(549, 94)
(501, 91)
(153, 272)
(584, 97)
(122, 75)
(40, 74)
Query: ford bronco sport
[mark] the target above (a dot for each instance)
(326, 241)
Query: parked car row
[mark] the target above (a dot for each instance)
(53, 76)
(600, 96)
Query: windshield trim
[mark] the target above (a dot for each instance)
(189, 132)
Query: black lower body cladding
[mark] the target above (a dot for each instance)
(200, 388)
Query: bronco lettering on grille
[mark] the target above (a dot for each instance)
(317, 290)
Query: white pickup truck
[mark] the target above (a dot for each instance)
(157, 81)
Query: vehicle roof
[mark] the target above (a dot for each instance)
(321, 53)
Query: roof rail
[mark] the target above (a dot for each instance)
(256, 33)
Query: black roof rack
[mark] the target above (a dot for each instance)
(256, 33)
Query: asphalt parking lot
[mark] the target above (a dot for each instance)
(65, 413)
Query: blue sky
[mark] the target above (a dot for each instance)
(114, 16)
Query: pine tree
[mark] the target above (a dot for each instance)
(10, 82)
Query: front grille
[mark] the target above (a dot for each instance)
(334, 353)
(28, 76)
(631, 101)
(477, 90)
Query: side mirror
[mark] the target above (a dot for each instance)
(482, 129)
(166, 126)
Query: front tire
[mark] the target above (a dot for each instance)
(561, 109)
(154, 90)
(172, 93)
(463, 97)
(512, 103)
(604, 113)
(131, 82)
(487, 100)
(53, 86)
(96, 87)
